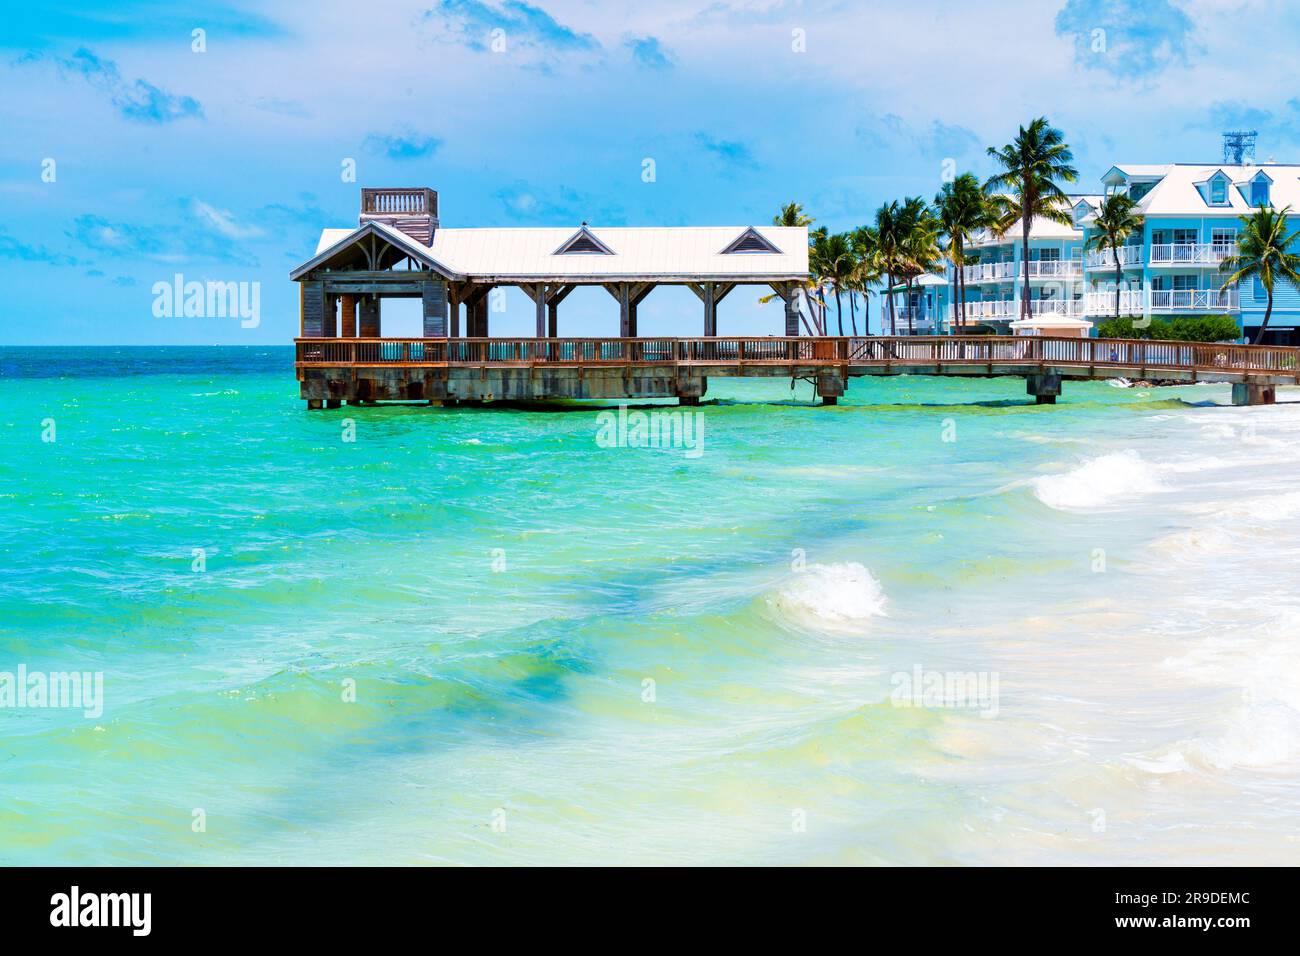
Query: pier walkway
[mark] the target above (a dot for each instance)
(446, 370)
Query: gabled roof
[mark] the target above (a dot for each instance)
(1178, 193)
(583, 243)
(662, 253)
(750, 241)
(335, 242)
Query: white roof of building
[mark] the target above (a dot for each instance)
(1041, 229)
(1140, 170)
(664, 253)
(1051, 322)
(1177, 193)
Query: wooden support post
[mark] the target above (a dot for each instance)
(313, 309)
(433, 298)
(789, 294)
(368, 318)
(636, 296)
(622, 293)
(537, 292)
(348, 315)
(554, 296)
(453, 309)
(1244, 393)
(711, 293)
(1045, 388)
(329, 327)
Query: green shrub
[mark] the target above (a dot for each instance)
(1123, 328)
(1181, 328)
(1204, 328)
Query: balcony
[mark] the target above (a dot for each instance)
(1134, 301)
(1009, 310)
(1191, 253)
(1193, 300)
(908, 319)
(989, 272)
(1045, 269)
(1130, 257)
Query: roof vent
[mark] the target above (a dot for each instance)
(583, 242)
(750, 241)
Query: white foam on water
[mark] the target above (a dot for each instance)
(834, 595)
(1098, 481)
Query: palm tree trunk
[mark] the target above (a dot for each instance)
(1025, 222)
(911, 312)
(853, 313)
(961, 288)
(889, 297)
(1119, 275)
(839, 312)
(1268, 314)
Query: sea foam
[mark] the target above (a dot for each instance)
(835, 595)
(1098, 481)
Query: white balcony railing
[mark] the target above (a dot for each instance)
(989, 271)
(1135, 301)
(1008, 310)
(1129, 256)
(906, 319)
(1193, 300)
(1010, 271)
(1191, 253)
(1055, 269)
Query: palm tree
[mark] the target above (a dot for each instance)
(900, 244)
(1033, 165)
(866, 251)
(920, 249)
(961, 209)
(838, 263)
(792, 214)
(1114, 223)
(1262, 254)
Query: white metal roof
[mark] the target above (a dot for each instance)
(1041, 229)
(1051, 322)
(653, 252)
(1177, 193)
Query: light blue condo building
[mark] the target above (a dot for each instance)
(1170, 267)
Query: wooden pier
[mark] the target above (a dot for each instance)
(440, 370)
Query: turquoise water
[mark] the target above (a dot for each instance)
(569, 653)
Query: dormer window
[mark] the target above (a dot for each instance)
(1218, 191)
(1259, 191)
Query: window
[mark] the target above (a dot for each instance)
(1260, 293)
(1259, 192)
(1218, 191)
(1184, 283)
(1223, 237)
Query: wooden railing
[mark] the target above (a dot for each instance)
(924, 353)
(399, 202)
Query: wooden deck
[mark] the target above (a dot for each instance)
(488, 368)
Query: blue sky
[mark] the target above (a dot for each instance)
(225, 164)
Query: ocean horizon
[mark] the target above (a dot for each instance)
(936, 624)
